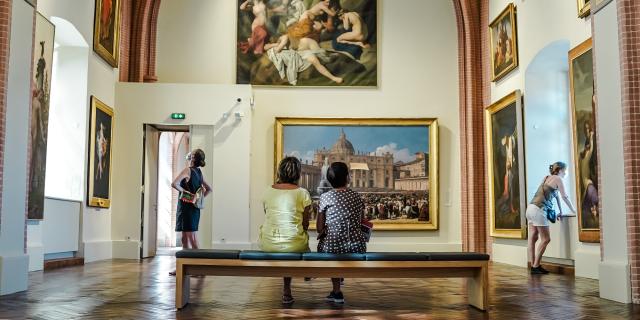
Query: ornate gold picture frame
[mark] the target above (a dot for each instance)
(393, 162)
(584, 141)
(100, 146)
(584, 8)
(503, 34)
(106, 30)
(506, 167)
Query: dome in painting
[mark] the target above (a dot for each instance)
(343, 146)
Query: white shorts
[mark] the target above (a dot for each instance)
(536, 216)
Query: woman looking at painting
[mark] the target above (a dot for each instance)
(536, 213)
(188, 182)
(287, 207)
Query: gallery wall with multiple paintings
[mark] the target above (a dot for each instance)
(517, 36)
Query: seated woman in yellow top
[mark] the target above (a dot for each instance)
(287, 208)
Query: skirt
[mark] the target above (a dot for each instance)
(187, 217)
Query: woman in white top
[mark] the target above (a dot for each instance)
(536, 214)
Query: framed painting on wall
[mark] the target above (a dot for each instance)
(100, 146)
(598, 5)
(40, 101)
(584, 8)
(506, 167)
(106, 30)
(393, 164)
(307, 43)
(584, 140)
(504, 43)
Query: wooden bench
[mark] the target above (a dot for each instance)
(473, 266)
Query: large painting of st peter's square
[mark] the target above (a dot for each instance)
(393, 164)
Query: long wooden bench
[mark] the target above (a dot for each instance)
(473, 266)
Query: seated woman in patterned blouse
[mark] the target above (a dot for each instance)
(339, 219)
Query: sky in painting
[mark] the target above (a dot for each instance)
(402, 141)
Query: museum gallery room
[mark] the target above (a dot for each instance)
(319, 159)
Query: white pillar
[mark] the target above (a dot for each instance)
(14, 263)
(615, 281)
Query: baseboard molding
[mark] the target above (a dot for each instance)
(126, 249)
(14, 273)
(587, 263)
(615, 283)
(557, 268)
(234, 245)
(36, 256)
(97, 250)
(62, 263)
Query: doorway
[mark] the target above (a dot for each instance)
(164, 156)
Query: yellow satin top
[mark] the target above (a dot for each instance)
(282, 228)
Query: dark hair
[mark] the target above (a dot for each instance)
(289, 170)
(337, 174)
(555, 167)
(197, 156)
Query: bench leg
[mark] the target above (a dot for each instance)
(183, 284)
(478, 288)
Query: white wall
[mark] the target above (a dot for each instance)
(13, 260)
(560, 22)
(418, 78)
(101, 78)
(203, 105)
(615, 281)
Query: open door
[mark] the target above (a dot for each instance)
(202, 138)
(149, 219)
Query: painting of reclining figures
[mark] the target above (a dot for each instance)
(392, 164)
(310, 43)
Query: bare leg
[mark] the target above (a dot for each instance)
(324, 71)
(193, 239)
(531, 248)
(545, 238)
(352, 37)
(185, 240)
(336, 284)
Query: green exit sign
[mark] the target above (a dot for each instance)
(178, 116)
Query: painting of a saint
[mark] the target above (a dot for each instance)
(506, 167)
(106, 30)
(583, 115)
(392, 164)
(504, 46)
(307, 43)
(100, 154)
(40, 99)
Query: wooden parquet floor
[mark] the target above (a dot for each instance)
(122, 289)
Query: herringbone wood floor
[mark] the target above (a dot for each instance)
(122, 289)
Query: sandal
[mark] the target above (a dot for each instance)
(287, 299)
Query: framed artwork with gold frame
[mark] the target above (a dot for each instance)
(584, 8)
(100, 146)
(106, 30)
(297, 48)
(506, 167)
(393, 164)
(598, 5)
(503, 35)
(584, 141)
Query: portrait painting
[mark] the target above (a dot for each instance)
(584, 8)
(307, 43)
(100, 146)
(40, 101)
(393, 165)
(504, 44)
(584, 140)
(106, 30)
(505, 150)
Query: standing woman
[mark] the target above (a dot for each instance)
(188, 182)
(536, 213)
